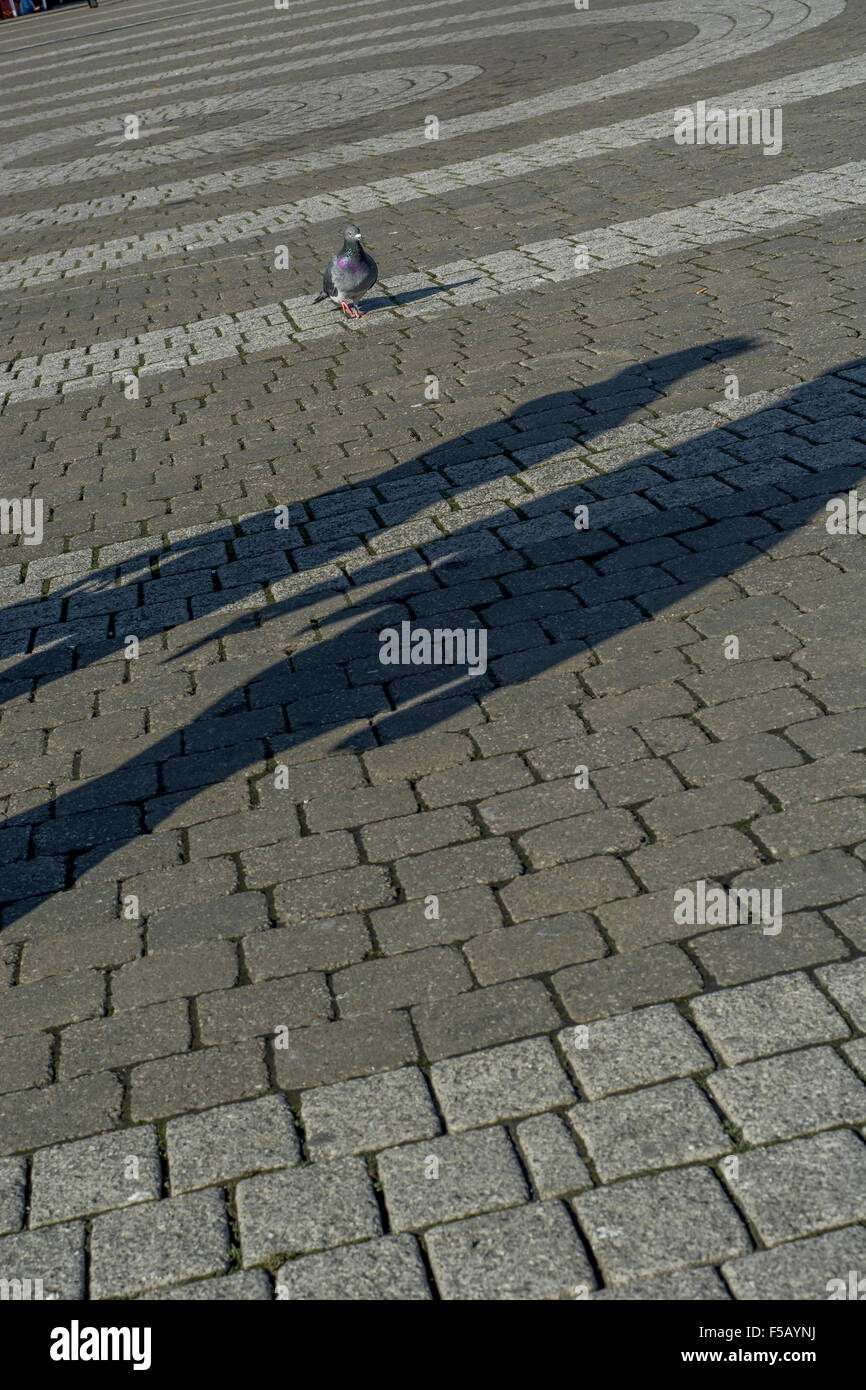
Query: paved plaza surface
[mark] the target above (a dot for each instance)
(323, 978)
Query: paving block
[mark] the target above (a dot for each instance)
(210, 1076)
(25, 1061)
(690, 1285)
(307, 1209)
(374, 1271)
(635, 1049)
(337, 1051)
(737, 954)
(450, 1177)
(534, 948)
(618, 984)
(245, 1285)
(769, 1016)
(550, 1154)
(216, 1146)
(131, 1035)
(54, 1256)
(66, 1110)
(659, 1224)
(160, 1243)
(527, 1254)
(462, 913)
(503, 1083)
(847, 984)
(815, 1269)
(258, 1010)
(484, 1017)
(372, 1113)
(324, 945)
(378, 985)
(802, 1187)
(94, 1175)
(13, 1185)
(797, 1093)
(660, 1127)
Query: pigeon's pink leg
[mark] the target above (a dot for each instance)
(345, 307)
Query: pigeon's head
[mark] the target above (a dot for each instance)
(352, 234)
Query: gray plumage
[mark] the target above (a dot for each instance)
(349, 275)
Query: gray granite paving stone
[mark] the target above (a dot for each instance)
(324, 945)
(66, 1110)
(462, 913)
(856, 1055)
(618, 984)
(529, 1253)
(244, 1285)
(55, 1255)
(551, 1157)
(306, 1057)
(692, 1285)
(659, 1224)
(25, 1061)
(770, 1016)
(635, 1049)
(659, 1127)
(388, 1269)
(94, 1175)
(157, 1244)
(804, 1186)
(503, 1083)
(484, 1017)
(737, 954)
(450, 1177)
(797, 1093)
(13, 1180)
(229, 1142)
(802, 1270)
(312, 1208)
(847, 985)
(198, 1080)
(372, 1113)
(131, 1035)
(533, 948)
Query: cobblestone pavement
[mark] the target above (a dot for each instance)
(324, 979)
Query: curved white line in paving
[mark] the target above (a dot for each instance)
(232, 336)
(745, 28)
(268, 113)
(100, 44)
(352, 202)
(230, 51)
(745, 17)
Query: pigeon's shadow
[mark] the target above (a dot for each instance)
(491, 542)
(410, 296)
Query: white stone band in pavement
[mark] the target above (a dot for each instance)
(739, 28)
(710, 222)
(352, 202)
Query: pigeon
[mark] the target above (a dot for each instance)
(349, 275)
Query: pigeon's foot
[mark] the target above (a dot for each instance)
(346, 308)
(356, 312)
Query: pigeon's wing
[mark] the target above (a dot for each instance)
(328, 281)
(372, 273)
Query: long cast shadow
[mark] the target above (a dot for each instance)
(662, 526)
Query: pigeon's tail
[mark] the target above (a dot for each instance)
(319, 297)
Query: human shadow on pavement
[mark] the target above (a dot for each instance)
(662, 525)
